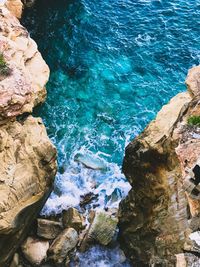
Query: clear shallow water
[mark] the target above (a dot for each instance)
(113, 65)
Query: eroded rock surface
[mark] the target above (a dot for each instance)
(63, 244)
(27, 156)
(155, 218)
(35, 250)
(25, 86)
(27, 172)
(48, 229)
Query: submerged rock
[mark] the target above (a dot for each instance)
(48, 229)
(72, 218)
(62, 245)
(35, 250)
(91, 161)
(102, 229)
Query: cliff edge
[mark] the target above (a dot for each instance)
(160, 218)
(27, 156)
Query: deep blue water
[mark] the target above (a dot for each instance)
(113, 63)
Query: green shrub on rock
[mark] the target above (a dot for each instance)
(4, 69)
(194, 121)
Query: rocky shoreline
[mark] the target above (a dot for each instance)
(27, 156)
(159, 220)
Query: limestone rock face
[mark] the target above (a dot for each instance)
(15, 7)
(27, 156)
(25, 86)
(61, 246)
(27, 172)
(34, 250)
(161, 164)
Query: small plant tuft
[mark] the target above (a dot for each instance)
(194, 121)
(4, 69)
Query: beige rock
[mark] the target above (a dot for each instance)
(72, 218)
(153, 218)
(28, 159)
(25, 86)
(35, 250)
(28, 167)
(64, 243)
(192, 81)
(15, 7)
(48, 229)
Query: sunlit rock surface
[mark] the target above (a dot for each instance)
(27, 156)
(25, 86)
(157, 216)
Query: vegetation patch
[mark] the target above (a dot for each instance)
(194, 121)
(4, 68)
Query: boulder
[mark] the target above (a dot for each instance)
(48, 229)
(101, 230)
(62, 245)
(35, 250)
(72, 218)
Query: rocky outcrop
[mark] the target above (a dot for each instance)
(102, 229)
(34, 250)
(63, 244)
(161, 164)
(27, 156)
(24, 88)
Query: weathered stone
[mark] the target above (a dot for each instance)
(155, 217)
(25, 86)
(72, 218)
(28, 159)
(35, 250)
(102, 229)
(192, 81)
(28, 167)
(48, 229)
(62, 245)
(15, 7)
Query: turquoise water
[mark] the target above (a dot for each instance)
(113, 65)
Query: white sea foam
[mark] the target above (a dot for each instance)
(77, 180)
(195, 237)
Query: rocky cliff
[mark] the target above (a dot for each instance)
(160, 218)
(27, 156)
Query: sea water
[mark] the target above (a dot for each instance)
(113, 63)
